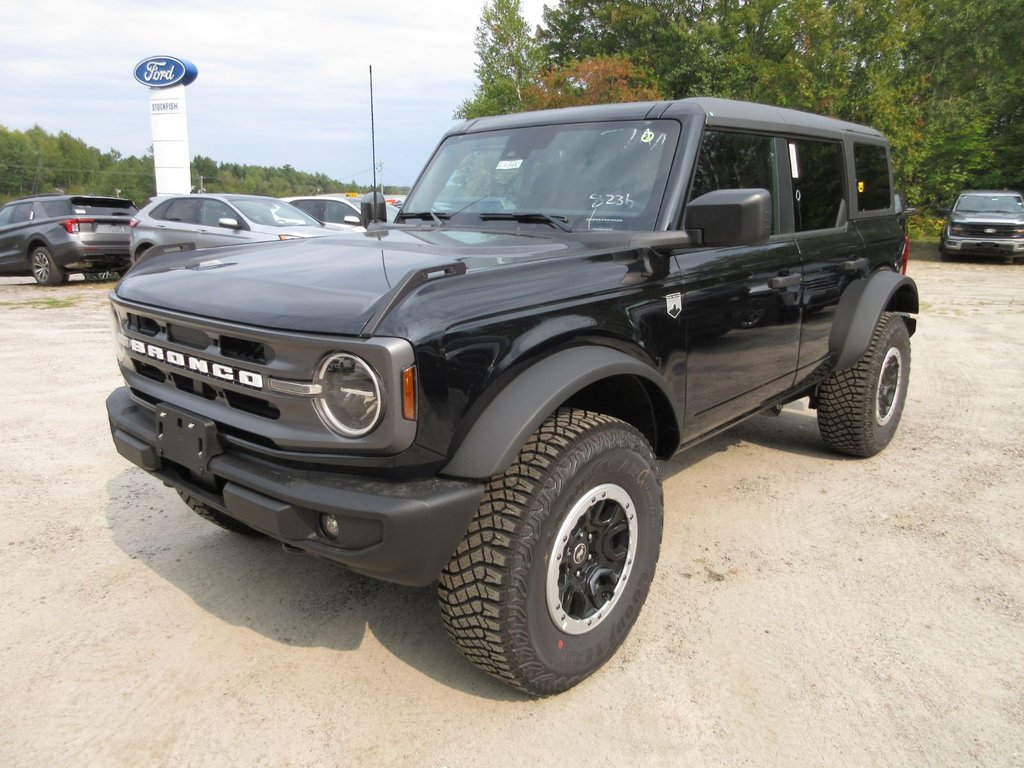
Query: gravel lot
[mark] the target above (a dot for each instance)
(808, 610)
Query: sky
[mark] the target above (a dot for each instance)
(280, 83)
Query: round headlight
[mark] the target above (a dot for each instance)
(350, 401)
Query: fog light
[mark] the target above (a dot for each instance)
(330, 526)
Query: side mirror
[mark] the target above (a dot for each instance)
(353, 220)
(229, 223)
(728, 217)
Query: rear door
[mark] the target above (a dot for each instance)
(176, 221)
(830, 246)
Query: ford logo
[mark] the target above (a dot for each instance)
(990, 230)
(165, 71)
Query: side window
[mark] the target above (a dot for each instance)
(5, 214)
(336, 212)
(871, 164)
(314, 208)
(183, 209)
(817, 171)
(56, 208)
(22, 212)
(737, 161)
(214, 211)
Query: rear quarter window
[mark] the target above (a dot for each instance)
(54, 208)
(871, 165)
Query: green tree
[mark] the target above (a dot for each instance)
(509, 61)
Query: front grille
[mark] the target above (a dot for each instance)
(989, 230)
(223, 371)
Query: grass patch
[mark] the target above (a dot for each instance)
(924, 249)
(63, 303)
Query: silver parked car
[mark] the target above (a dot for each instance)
(211, 220)
(335, 209)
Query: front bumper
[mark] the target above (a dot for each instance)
(969, 246)
(399, 531)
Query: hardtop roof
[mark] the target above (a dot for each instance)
(723, 113)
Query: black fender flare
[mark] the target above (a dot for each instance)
(501, 430)
(861, 306)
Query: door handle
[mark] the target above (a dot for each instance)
(784, 281)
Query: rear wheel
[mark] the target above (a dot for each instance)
(558, 561)
(45, 269)
(859, 409)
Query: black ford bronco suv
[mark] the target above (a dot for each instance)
(480, 392)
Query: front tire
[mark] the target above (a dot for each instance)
(859, 409)
(558, 561)
(45, 269)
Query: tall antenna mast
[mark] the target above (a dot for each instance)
(377, 210)
(373, 139)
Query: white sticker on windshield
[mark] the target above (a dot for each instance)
(509, 165)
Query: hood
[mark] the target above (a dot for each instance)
(330, 284)
(986, 217)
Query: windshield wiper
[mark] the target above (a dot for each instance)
(437, 218)
(560, 222)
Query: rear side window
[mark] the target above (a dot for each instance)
(56, 208)
(181, 209)
(871, 165)
(5, 215)
(817, 171)
(737, 161)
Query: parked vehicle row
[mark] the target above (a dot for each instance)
(211, 220)
(52, 236)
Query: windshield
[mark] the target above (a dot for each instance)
(274, 213)
(587, 176)
(990, 204)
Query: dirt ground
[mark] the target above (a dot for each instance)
(808, 609)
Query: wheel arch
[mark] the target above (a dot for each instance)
(860, 308)
(140, 249)
(600, 379)
(36, 242)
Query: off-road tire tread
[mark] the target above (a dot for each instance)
(491, 562)
(845, 410)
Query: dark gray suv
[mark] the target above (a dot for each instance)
(51, 236)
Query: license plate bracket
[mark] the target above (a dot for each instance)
(186, 439)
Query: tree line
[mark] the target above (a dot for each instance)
(35, 161)
(943, 79)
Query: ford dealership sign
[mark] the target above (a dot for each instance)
(165, 71)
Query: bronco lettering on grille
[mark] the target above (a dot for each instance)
(197, 364)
